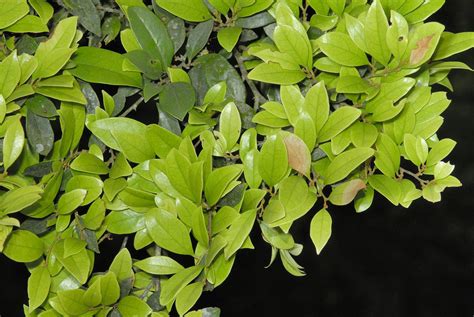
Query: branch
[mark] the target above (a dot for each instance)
(258, 97)
(133, 107)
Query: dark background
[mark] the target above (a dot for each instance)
(388, 261)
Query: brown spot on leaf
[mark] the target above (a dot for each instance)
(422, 47)
(346, 192)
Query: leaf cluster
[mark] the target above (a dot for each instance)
(262, 112)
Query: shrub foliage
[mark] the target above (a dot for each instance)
(262, 110)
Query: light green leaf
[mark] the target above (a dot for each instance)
(321, 228)
(133, 306)
(124, 222)
(89, 163)
(338, 121)
(340, 48)
(397, 35)
(12, 11)
(109, 288)
(219, 180)
(160, 265)
(416, 149)
(453, 43)
(168, 232)
(439, 151)
(70, 201)
(273, 160)
(228, 37)
(10, 74)
(376, 26)
(295, 44)
(171, 287)
(43, 8)
(23, 246)
(363, 134)
(188, 297)
(239, 232)
(230, 125)
(162, 140)
(387, 156)
(345, 163)
(275, 74)
(125, 135)
(71, 302)
(101, 66)
(38, 287)
(189, 10)
(387, 186)
(122, 265)
(424, 11)
(13, 143)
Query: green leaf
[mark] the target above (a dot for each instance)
(23, 246)
(338, 121)
(159, 265)
(320, 229)
(198, 38)
(93, 185)
(439, 151)
(376, 26)
(397, 35)
(162, 140)
(239, 232)
(71, 302)
(133, 306)
(20, 198)
(218, 181)
(13, 143)
(88, 14)
(185, 177)
(273, 160)
(277, 238)
(177, 99)
(295, 44)
(188, 297)
(317, 105)
(340, 48)
(424, 11)
(101, 66)
(40, 133)
(122, 265)
(38, 287)
(152, 34)
(66, 94)
(363, 134)
(124, 222)
(386, 186)
(453, 43)
(356, 30)
(345, 163)
(109, 288)
(189, 10)
(422, 43)
(89, 163)
(345, 193)
(387, 156)
(125, 135)
(12, 11)
(43, 8)
(92, 297)
(41, 106)
(416, 149)
(70, 201)
(171, 287)
(228, 37)
(230, 125)
(168, 232)
(273, 73)
(10, 74)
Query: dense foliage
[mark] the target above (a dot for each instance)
(263, 111)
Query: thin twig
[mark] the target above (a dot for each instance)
(414, 175)
(258, 97)
(133, 107)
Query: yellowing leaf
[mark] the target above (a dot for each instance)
(299, 157)
(344, 193)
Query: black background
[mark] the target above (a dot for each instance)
(388, 261)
